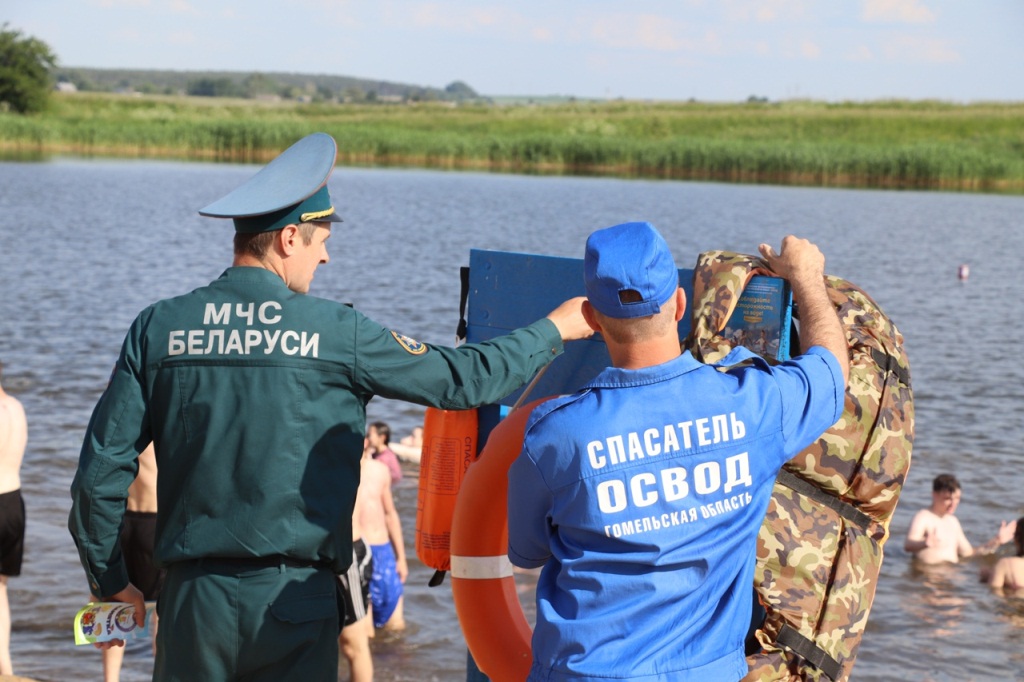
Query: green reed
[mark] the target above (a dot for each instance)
(878, 144)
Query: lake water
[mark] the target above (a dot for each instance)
(87, 244)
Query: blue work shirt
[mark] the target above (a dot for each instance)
(642, 495)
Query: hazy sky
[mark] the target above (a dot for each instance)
(726, 50)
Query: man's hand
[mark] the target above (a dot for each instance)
(1006, 532)
(799, 260)
(130, 595)
(803, 264)
(568, 317)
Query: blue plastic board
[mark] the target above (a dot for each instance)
(510, 290)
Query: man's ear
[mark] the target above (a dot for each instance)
(680, 303)
(590, 317)
(288, 239)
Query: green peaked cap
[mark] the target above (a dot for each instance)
(289, 190)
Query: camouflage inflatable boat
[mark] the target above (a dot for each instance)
(820, 546)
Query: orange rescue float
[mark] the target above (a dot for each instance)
(483, 588)
(449, 447)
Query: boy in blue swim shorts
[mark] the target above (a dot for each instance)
(386, 588)
(382, 531)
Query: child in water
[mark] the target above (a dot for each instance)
(1008, 572)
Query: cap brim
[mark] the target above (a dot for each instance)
(295, 175)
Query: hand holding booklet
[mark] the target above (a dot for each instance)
(762, 318)
(106, 621)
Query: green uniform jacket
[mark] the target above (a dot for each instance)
(255, 398)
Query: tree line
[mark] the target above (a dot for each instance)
(256, 85)
(29, 73)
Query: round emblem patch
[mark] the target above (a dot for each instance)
(410, 345)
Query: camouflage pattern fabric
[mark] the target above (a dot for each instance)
(819, 550)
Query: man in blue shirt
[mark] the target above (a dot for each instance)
(641, 494)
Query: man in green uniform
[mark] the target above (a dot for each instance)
(254, 395)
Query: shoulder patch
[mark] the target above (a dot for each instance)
(410, 345)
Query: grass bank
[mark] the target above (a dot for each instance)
(892, 144)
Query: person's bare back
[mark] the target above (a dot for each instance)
(13, 437)
(1008, 573)
(142, 492)
(374, 490)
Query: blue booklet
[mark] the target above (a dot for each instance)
(762, 318)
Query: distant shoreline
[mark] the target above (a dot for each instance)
(886, 145)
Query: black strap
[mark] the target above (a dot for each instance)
(889, 364)
(790, 638)
(460, 332)
(844, 509)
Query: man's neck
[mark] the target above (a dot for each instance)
(247, 261)
(641, 355)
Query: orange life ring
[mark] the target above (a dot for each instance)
(449, 447)
(483, 588)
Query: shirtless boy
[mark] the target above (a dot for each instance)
(13, 436)
(382, 531)
(935, 534)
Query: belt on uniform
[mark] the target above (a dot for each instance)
(253, 563)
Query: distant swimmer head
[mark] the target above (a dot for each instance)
(290, 190)
(945, 494)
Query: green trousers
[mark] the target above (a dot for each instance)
(225, 621)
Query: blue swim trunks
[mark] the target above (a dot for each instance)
(385, 585)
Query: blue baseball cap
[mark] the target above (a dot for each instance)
(289, 190)
(629, 257)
